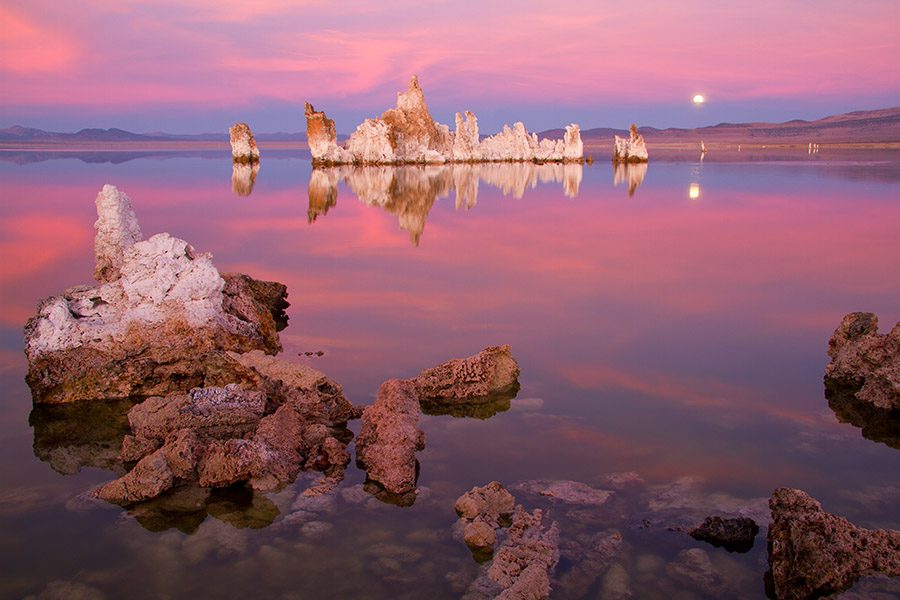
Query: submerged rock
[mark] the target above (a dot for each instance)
(158, 322)
(735, 535)
(390, 436)
(865, 363)
(630, 150)
(408, 134)
(243, 146)
(813, 553)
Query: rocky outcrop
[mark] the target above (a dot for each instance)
(478, 379)
(243, 177)
(865, 362)
(481, 511)
(813, 553)
(243, 146)
(159, 321)
(389, 438)
(219, 436)
(408, 134)
(630, 150)
(735, 535)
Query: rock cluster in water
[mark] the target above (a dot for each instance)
(631, 149)
(408, 134)
(243, 146)
(389, 436)
(161, 319)
(813, 553)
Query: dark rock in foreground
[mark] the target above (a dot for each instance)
(813, 553)
(735, 535)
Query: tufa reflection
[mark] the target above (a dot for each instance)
(410, 191)
(243, 177)
(632, 173)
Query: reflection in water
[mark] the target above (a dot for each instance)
(410, 191)
(877, 424)
(694, 191)
(483, 408)
(186, 507)
(83, 434)
(243, 178)
(633, 173)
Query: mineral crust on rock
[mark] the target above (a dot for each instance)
(864, 363)
(390, 436)
(408, 134)
(243, 146)
(158, 322)
(631, 149)
(813, 553)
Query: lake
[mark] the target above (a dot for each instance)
(671, 324)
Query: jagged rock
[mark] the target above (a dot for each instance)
(524, 563)
(478, 535)
(865, 363)
(408, 134)
(480, 378)
(117, 231)
(632, 150)
(243, 146)
(243, 177)
(735, 535)
(389, 437)
(489, 503)
(813, 553)
(155, 325)
(149, 478)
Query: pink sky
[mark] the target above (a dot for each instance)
(198, 65)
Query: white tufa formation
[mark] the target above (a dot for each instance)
(632, 149)
(408, 134)
(243, 146)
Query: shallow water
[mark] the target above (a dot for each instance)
(678, 331)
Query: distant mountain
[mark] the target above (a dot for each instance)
(877, 126)
(18, 133)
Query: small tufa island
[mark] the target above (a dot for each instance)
(630, 150)
(407, 134)
(243, 147)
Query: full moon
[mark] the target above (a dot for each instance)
(699, 99)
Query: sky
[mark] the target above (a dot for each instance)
(195, 66)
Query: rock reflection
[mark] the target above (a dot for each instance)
(631, 173)
(877, 424)
(243, 178)
(186, 507)
(410, 191)
(484, 408)
(83, 434)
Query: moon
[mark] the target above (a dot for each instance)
(699, 99)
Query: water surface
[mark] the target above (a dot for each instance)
(674, 325)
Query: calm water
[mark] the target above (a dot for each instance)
(678, 332)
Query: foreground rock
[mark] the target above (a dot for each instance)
(159, 321)
(408, 134)
(478, 379)
(865, 363)
(243, 146)
(481, 511)
(220, 436)
(390, 436)
(735, 535)
(813, 553)
(630, 150)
